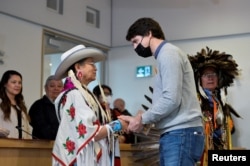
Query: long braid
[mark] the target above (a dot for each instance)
(91, 100)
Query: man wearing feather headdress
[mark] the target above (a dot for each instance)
(214, 72)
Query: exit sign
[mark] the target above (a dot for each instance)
(144, 71)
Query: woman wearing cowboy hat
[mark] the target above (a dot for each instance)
(86, 135)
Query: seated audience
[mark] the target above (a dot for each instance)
(119, 107)
(14, 119)
(42, 112)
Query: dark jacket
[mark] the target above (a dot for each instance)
(43, 119)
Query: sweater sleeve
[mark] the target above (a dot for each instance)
(167, 87)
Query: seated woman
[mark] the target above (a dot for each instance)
(86, 133)
(14, 120)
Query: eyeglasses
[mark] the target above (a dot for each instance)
(209, 75)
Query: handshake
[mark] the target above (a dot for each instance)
(132, 123)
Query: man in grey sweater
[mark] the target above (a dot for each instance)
(175, 108)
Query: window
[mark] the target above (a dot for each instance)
(93, 17)
(55, 5)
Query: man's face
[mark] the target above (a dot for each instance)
(209, 79)
(136, 40)
(54, 88)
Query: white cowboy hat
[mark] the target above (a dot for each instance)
(75, 54)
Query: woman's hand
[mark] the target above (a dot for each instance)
(124, 125)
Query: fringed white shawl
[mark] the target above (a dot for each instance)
(79, 124)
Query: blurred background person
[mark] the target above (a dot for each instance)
(108, 95)
(43, 113)
(107, 104)
(13, 111)
(119, 106)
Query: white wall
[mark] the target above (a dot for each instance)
(73, 20)
(121, 76)
(22, 44)
(123, 61)
(182, 19)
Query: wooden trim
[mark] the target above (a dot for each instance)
(27, 144)
(39, 153)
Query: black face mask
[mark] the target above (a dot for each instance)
(143, 51)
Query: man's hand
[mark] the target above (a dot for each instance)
(135, 124)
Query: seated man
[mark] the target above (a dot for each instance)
(119, 108)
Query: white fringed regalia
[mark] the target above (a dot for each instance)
(80, 116)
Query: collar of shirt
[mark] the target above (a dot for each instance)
(210, 96)
(159, 48)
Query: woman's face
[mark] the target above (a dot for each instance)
(209, 79)
(14, 85)
(108, 95)
(88, 71)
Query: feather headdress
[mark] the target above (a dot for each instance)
(224, 64)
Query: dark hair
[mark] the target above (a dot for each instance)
(97, 91)
(143, 26)
(72, 67)
(5, 105)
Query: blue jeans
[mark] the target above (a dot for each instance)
(182, 147)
